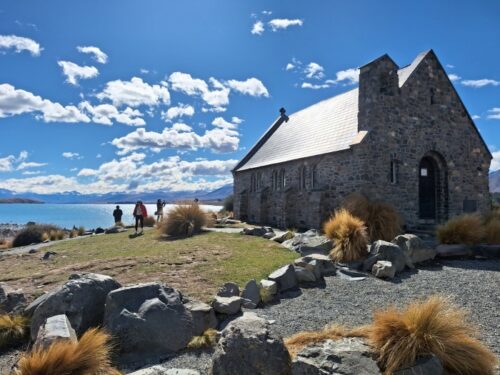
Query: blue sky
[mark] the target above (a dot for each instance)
(120, 95)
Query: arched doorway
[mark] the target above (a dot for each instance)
(433, 188)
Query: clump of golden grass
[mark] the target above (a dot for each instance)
(208, 339)
(184, 219)
(14, 329)
(91, 355)
(349, 234)
(300, 340)
(433, 326)
(382, 220)
(34, 233)
(149, 221)
(492, 232)
(81, 231)
(73, 233)
(5, 244)
(464, 229)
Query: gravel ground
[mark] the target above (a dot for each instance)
(472, 284)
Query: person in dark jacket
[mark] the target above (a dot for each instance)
(139, 213)
(117, 214)
(159, 210)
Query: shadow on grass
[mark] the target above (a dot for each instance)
(169, 238)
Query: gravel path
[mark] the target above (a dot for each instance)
(472, 284)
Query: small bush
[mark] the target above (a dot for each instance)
(465, 229)
(492, 232)
(35, 233)
(207, 340)
(184, 219)
(382, 220)
(149, 221)
(73, 233)
(5, 244)
(81, 231)
(349, 234)
(228, 204)
(432, 326)
(91, 355)
(56, 234)
(14, 330)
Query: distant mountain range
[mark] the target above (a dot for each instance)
(150, 197)
(495, 181)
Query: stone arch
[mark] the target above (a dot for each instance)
(433, 188)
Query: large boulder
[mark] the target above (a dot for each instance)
(251, 295)
(81, 299)
(11, 301)
(285, 277)
(382, 250)
(247, 347)
(347, 356)
(148, 320)
(309, 242)
(311, 265)
(384, 269)
(304, 275)
(203, 316)
(227, 305)
(327, 265)
(428, 365)
(229, 290)
(55, 328)
(280, 238)
(268, 291)
(414, 247)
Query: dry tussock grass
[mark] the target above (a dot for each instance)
(185, 219)
(89, 356)
(350, 236)
(464, 229)
(14, 329)
(149, 221)
(382, 220)
(492, 231)
(208, 339)
(432, 326)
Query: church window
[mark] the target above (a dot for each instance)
(394, 172)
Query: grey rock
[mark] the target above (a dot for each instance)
(348, 356)
(271, 287)
(309, 242)
(285, 277)
(269, 235)
(350, 275)
(258, 231)
(149, 321)
(428, 365)
(203, 316)
(311, 265)
(55, 328)
(415, 248)
(229, 290)
(327, 265)
(11, 301)
(227, 305)
(48, 255)
(251, 295)
(382, 250)
(454, 251)
(304, 275)
(82, 299)
(161, 370)
(33, 251)
(384, 269)
(280, 238)
(247, 347)
(487, 251)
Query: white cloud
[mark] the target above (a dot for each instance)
(19, 44)
(29, 164)
(96, 53)
(16, 102)
(6, 163)
(188, 85)
(476, 117)
(283, 23)
(258, 28)
(252, 86)
(74, 72)
(480, 82)
(105, 113)
(314, 70)
(267, 12)
(495, 162)
(178, 111)
(135, 93)
(144, 71)
(71, 155)
(10, 163)
(307, 85)
(450, 66)
(30, 173)
(289, 66)
(349, 75)
(494, 114)
(453, 77)
(223, 124)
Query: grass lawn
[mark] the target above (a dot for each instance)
(196, 266)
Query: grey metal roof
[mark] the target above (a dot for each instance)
(328, 126)
(405, 72)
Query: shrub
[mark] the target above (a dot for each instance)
(349, 234)
(91, 355)
(34, 233)
(56, 234)
(14, 329)
(465, 229)
(149, 221)
(184, 219)
(382, 220)
(73, 233)
(492, 231)
(81, 231)
(228, 204)
(207, 340)
(432, 326)
(5, 244)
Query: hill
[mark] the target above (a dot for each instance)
(18, 200)
(495, 181)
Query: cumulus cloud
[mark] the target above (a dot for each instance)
(19, 44)
(348, 76)
(105, 114)
(185, 83)
(223, 124)
(313, 86)
(453, 77)
(178, 111)
(494, 114)
(477, 83)
(135, 93)
(11, 163)
(284, 23)
(251, 86)
(314, 70)
(16, 102)
(495, 162)
(29, 164)
(74, 72)
(71, 155)
(96, 53)
(258, 28)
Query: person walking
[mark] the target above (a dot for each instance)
(139, 213)
(117, 214)
(159, 210)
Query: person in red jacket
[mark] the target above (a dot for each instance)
(139, 213)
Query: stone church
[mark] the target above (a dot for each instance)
(403, 136)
